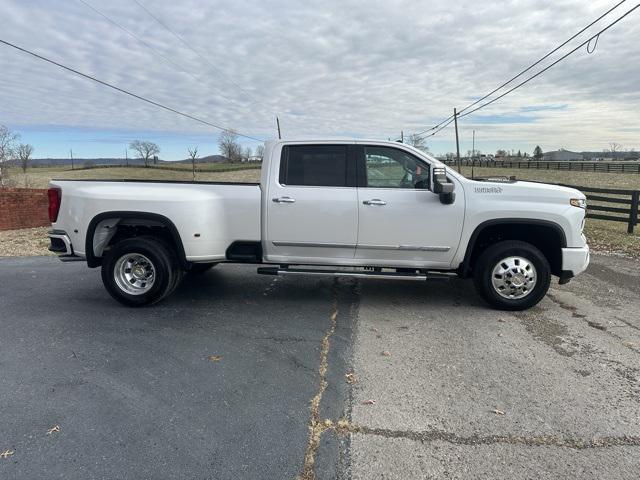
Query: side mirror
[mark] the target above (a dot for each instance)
(443, 187)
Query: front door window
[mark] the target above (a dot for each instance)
(388, 167)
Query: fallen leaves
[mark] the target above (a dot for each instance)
(386, 353)
(54, 429)
(498, 412)
(369, 402)
(351, 378)
(214, 358)
(7, 453)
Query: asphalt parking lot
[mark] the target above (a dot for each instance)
(245, 376)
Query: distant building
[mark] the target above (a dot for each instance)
(562, 156)
(253, 158)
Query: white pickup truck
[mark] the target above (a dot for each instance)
(366, 209)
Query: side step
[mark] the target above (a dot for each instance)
(358, 273)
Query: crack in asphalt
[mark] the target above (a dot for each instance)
(532, 441)
(546, 330)
(598, 326)
(316, 426)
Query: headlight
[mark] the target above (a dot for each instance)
(578, 202)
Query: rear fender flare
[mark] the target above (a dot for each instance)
(95, 261)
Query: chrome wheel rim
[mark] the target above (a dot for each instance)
(514, 277)
(134, 274)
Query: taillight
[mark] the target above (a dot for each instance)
(55, 195)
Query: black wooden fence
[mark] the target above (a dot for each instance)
(578, 166)
(602, 203)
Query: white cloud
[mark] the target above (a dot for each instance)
(327, 68)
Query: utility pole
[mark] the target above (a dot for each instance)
(401, 136)
(126, 156)
(71, 154)
(455, 119)
(278, 123)
(473, 153)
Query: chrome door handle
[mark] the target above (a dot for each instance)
(375, 201)
(284, 200)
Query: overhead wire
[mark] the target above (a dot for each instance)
(537, 62)
(586, 42)
(127, 92)
(155, 51)
(196, 52)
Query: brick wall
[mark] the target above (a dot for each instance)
(23, 208)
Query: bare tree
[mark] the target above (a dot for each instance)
(8, 140)
(260, 151)
(24, 152)
(193, 153)
(146, 150)
(418, 142)
(229, 146)
(614, 147)
(247, 153)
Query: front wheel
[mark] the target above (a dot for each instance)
(512, 275)
(140, 271)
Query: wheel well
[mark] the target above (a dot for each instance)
(122, 225)
(547, 237)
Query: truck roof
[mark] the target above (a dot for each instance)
(273, 143)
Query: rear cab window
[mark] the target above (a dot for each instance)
(317, 166)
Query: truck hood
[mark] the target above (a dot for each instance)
(524, 191)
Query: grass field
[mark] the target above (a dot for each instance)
(602, 235)
(40, 177)
(585, 179)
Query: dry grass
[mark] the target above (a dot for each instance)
(585, 179)
(24, 242)
(612, 237)
(40, 177)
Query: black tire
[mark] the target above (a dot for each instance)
(200, 268)
(161, 257)
(490, 258)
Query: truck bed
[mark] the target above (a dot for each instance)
(209, 216)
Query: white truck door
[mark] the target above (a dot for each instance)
(311, 205)
(400, 224)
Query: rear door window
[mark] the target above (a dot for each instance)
(314, 165)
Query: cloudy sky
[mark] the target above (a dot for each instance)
(327, 69)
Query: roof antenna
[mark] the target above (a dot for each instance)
(278, 123)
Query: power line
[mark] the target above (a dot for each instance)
(151, 48)
(442, 126)
(202, 57)
(537, 62)
(126, 92)
(543, 57)
(586, 42)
